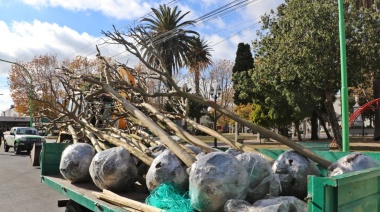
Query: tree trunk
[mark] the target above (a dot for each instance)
(182, 154)
(198, 120)
(267, 133)
(93, 140)
(325, 128)
(231, 143)
(196, 81)
(333, 120)
(179, 131)
(322, 118)
(149, 123)
(134, 139)
(283, 130)
(297, 123)
(144, 158)
(314, 126)
(73, 133)
(376, 94)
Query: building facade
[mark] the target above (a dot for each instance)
(10, 118)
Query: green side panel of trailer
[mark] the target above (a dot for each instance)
(356, 191)
(81, 193)
(51, 157)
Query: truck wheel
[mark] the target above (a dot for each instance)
(75, 207)
(16, 149)
(6, 147)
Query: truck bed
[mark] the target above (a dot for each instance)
(355, 191)
(82, 193)
(78, 192)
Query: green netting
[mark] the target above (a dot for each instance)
(168, 197)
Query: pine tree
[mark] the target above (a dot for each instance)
(241, 76)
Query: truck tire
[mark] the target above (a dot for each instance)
(6, 147)
(16, 149)
(72, 206)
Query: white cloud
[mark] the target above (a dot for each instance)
(259, 8)
(221, 50)
(5, 98)
(120, 9)
(21, 41)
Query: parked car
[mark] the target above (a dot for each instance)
(22, 138)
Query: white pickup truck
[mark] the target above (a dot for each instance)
(22, 138)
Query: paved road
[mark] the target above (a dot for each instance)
(20, 187)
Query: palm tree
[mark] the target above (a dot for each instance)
(199, 59)
(170, 38)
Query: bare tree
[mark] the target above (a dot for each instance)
(142, 39)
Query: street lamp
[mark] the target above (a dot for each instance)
(30, 90)
(215, 93)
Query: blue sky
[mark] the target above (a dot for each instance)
(67, 28)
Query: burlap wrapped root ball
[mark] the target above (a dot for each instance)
(260, 174)
(278, 204)
(237, 205)
(293, 168)
(353, 162)
(113, 169)
(215, 178)
(75, 161)
(167, 168)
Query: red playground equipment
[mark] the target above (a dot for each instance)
(371, 105)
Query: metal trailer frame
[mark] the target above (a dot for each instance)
(80, 193)
(356, 191)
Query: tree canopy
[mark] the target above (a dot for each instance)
(42, 69)
(171, 39)
(298, 53)
(241, 75)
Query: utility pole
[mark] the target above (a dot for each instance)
(344, 89)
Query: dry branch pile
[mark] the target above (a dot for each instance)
(113, 108)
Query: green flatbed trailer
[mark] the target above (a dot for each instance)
(80, 195)
(356, 191)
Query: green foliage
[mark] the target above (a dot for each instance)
(172, 39)
(241, 75)
(196, 110)
(261, 115)
(298, 60)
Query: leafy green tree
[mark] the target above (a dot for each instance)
(368, 24)
(298, 52)
(197, 110)
(172, 40)
(241, 76)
